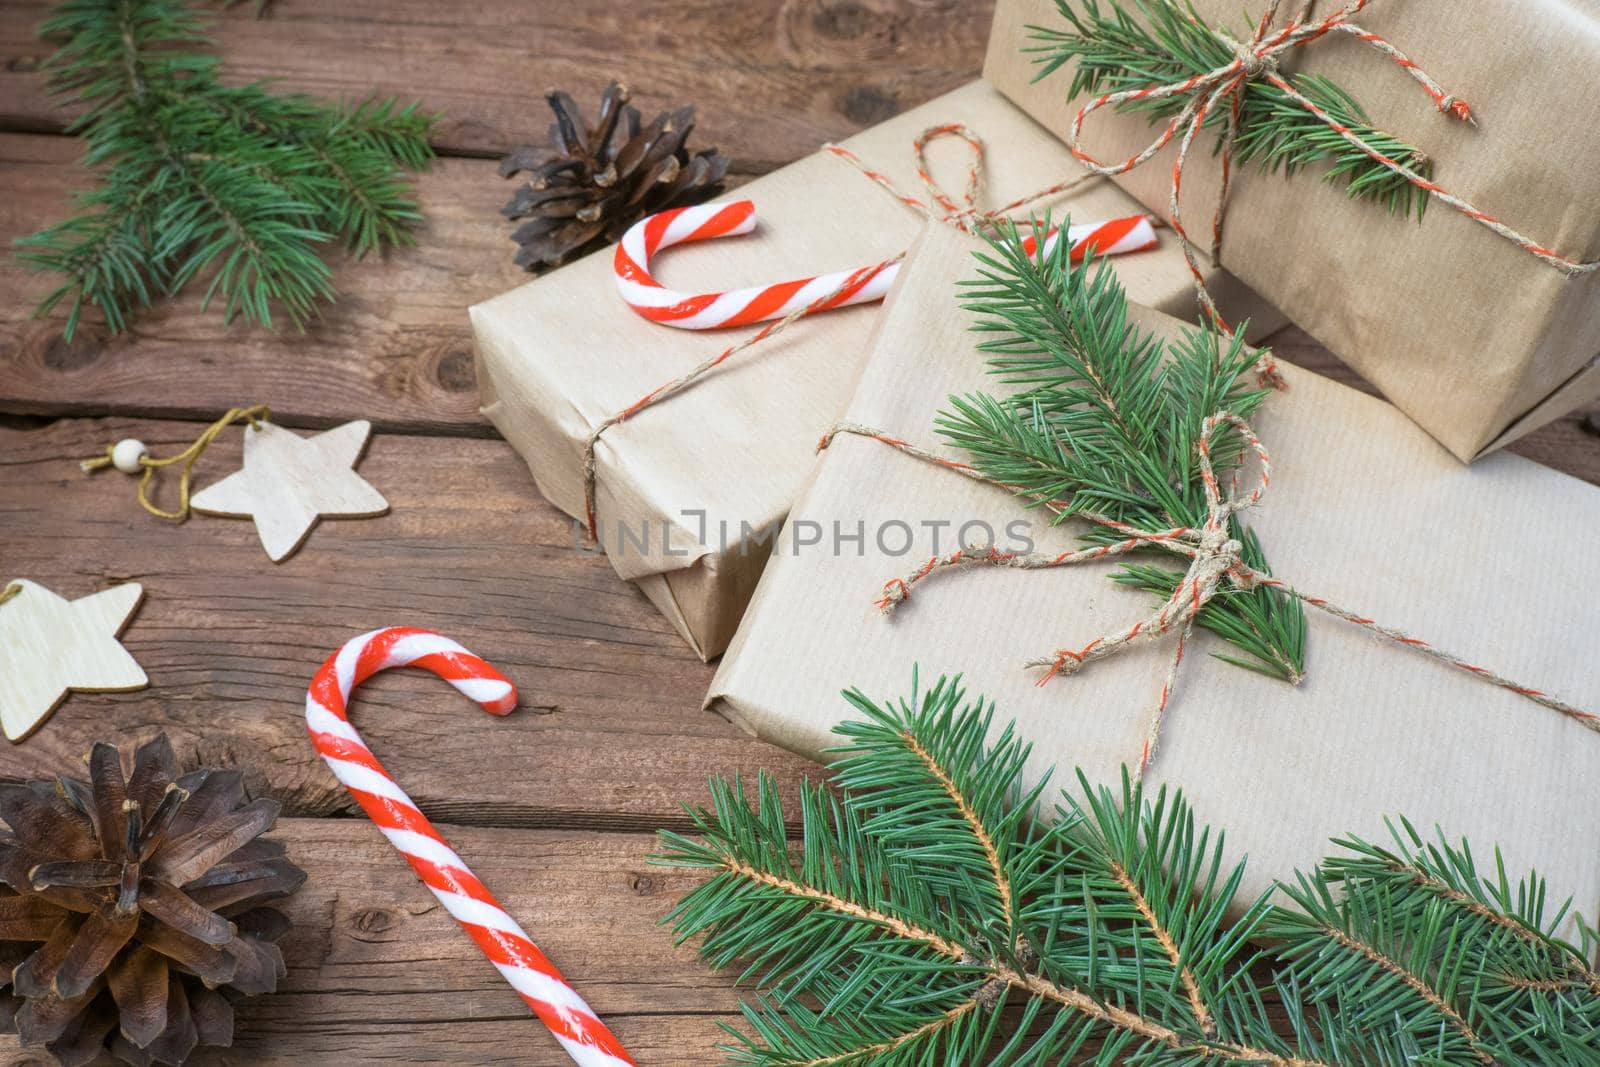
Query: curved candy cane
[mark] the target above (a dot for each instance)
(507, 946)
(741, 307)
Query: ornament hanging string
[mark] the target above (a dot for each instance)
(962, 213)
(131, 456)
(1215, 559)
(572, 1022)
(1258, 58)
(10, 592)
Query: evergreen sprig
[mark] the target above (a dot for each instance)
(1107, 420)
(1162, 42)
(927, 915)
(232, 186)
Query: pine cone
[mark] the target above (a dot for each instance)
(604, 178)
(134, 904)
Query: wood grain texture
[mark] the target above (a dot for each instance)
(772, 79)
(551, 802)
(610, 733)
(396, 349)
(379, 972)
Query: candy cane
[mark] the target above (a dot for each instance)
(534, 977)
(740, 307)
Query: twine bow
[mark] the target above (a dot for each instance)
(962, 214)
(1215, 556)
(1258, 58)
(1215, 561)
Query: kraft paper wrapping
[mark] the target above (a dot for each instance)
(1475, 339)
(1364, 510)
(558, 355)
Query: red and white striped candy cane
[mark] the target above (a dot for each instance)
(741, 307)
(507, 946)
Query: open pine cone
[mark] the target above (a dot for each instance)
(134, 907)
(603, 178)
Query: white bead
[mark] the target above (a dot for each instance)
(126, 454)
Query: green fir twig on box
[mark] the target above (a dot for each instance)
(232, 187)
(1143, 43)
(1106, 424)
(925, 916)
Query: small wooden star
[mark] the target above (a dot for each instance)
(289, 482)
(50, 646)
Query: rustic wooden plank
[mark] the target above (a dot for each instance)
(379, 971)
(772, 79)
(395, 349)
(610, 734)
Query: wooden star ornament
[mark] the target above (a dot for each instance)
(289, 482)
(50, 646)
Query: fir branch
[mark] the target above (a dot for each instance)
(1112, 49)
(1504, 920)
(1107, 421)
(199, 180)
(881, 939)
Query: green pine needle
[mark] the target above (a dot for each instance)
(929, 915)
(1106, 421)
(231, 187)
(1161, 42)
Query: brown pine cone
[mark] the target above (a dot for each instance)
(603, 178)
(133, 910)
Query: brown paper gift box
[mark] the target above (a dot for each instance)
(1474, 338)
(560, 354)
(1364, 510)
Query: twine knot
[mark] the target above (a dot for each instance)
(895, 592)
(1255, 62)
(1217, 558)
(1451, 104)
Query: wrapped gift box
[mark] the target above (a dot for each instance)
(1471, 336)
(679, 483)
(1363, 509)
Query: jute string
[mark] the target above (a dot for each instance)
(188, 457)
(962, 213)
(1215, 560)
(1258, 58)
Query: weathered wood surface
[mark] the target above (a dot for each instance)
(555, 800)
(396, 349)
(610, 734)
(772, 79)
(379, 972)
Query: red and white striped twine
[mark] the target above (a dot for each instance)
(580, 1032)
(743, 307)
(964, 215)
(1258, 58)
(1214, 558)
